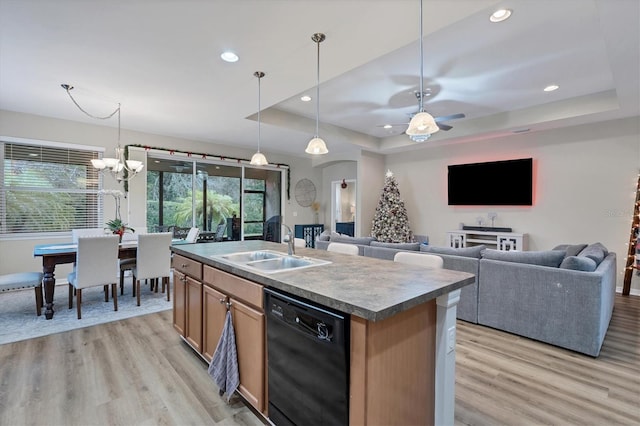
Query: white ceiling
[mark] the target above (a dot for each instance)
(160, 60)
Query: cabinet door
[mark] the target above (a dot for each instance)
(193, 329)
(214, 311)
(179, 302)
(250, 344)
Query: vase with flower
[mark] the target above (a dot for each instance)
(315, 206)
(116, 226)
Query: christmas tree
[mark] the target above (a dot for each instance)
(391, 224)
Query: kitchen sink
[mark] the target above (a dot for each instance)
(268, 261)
(249, 256)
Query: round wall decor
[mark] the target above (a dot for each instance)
(305, 192)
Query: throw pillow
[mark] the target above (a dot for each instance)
(551, 258)
(474, 251)
(593, 251)
(365, 241)
(579, 263)
(397, 246)
(571, 249)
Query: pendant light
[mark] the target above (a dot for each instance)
(316, 145)
(422, 125)
(258, 158)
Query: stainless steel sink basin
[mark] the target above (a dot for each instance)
(268, 261)
(249, 256)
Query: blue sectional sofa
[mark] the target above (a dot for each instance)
(563, 296)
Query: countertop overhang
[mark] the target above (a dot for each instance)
(373, 289)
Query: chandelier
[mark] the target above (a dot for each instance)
(121, 169)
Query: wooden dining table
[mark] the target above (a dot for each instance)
(56, 254)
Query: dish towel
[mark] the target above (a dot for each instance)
(224, 364)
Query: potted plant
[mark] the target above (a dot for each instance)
(116, 226)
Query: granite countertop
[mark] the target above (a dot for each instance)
(373, 289)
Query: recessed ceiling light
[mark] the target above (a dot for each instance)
(305, 98)
(551, 88)
(229, 56)
(500, 15)
(387, 126)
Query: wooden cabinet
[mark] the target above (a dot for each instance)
(214, 312)
(187, 299)
(309, 233)
(193, 302)
(244, 299)
(250, 344)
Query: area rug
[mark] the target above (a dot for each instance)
(18, 319)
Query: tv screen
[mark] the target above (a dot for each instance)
(497, 183)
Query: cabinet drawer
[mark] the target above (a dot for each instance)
(187, 266)
(233, 286)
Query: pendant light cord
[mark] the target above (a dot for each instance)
(259, 78)
(318, 40)
(68, 89)
(421, 64)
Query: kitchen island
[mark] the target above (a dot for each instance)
(402, 324)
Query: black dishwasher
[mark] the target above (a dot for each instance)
(308, 362)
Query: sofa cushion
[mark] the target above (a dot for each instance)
(551, 258)
(570, 249)
(398, 246)
(579, 263)
(365, 241)
(594, 251)
(324, 236)
(474, 251)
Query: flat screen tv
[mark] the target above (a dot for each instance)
(497, 183)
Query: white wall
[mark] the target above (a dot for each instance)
(331, 173)
(16, 254)
(371, 172)
(584, 188)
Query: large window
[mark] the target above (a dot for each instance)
(47, 187)
(184, 193)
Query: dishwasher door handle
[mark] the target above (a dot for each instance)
(322, 333)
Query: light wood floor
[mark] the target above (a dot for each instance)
(138, 372)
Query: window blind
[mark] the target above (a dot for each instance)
(48, 189)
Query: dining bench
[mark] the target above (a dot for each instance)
(21, 280)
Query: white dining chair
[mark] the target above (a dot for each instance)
(192, 236)
(153, 261)
(419, 259)
(343, 248)
(96, 261)
(86, 232)
(129, 264)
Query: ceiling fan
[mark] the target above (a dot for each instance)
(439, 120)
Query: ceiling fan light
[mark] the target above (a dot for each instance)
(421, 125)
(258, 159)
(316, 146)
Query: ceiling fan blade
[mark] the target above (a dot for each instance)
(392, 124)
(448, 117)
(444, 127)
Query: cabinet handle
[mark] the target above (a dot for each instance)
(184, 265)
(183, 279)
(222, 301)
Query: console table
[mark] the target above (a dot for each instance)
(309, 233)
(495, 240)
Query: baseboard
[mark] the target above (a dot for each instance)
(632, 292)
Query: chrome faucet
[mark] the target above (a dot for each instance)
(290, 241)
